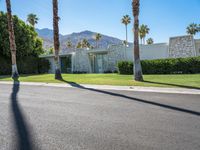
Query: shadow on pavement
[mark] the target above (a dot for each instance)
(22, 131)
(73, 84)
(176, 85)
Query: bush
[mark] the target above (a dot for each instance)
(29, 65)
(125, 67)
(163, 66)
(43, 66)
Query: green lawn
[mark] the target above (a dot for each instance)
(190, 81)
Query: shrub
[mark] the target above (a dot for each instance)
(43, 66)
(163, 66)
(125, 67)
(29, 65)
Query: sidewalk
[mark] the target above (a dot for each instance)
(110, 87)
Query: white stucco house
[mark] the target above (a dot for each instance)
(105, 60)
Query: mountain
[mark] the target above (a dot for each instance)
(47, 36)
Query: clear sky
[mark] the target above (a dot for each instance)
(165, 18)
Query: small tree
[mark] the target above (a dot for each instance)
(32, 19)
(69, 44)
(192, 29)
(85, 43)
(150, 41)
(97, 38)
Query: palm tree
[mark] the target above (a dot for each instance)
(79, 45)
(137, 64)
(192, 29)
(32, 19)
(97, 38)
(126, 20)
(69, 44)
(56, 40)
(15, 74)
(85, 43)
(143, 31)
(141, 35)
(150, 41)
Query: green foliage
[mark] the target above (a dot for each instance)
(125, 67)
(29, 47)
(150, 41)
(32, 19)
(193, 29)
(143, 31)
(164, 66)
(29, 65)
(43, 66)
(126, 20)
(27, 41)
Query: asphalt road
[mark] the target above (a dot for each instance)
(53, 118)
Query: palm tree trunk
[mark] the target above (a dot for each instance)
(126, 35)
(56, 40)
(137, 63)
(13, 48)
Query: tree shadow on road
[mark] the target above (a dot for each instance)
(22, 130)
(192, 112)
(175, 85)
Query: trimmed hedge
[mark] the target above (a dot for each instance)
(29, 65)
(189, 65)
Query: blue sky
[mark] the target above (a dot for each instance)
(165, 18)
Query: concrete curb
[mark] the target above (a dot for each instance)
(110, 87)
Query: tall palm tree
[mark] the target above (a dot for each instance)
(32, 19)
(97, 38)
(143, 31)
(56, 40)
(141, 35)
(15, 74)
(192, 29)
(126, 20)
(137, 64)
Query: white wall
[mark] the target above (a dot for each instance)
(154, 51)
(197, 47)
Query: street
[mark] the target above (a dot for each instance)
(78, 118)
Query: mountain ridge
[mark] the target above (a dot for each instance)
(75, 37)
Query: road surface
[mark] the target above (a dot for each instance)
(54, 118)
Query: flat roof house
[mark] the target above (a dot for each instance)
(105, 60)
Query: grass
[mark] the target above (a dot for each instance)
(187, 81)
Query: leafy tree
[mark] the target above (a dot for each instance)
(137, 64)
(56, 40)
(97, 38)
(26, 39)
(126, 20)
(143, 31)
(32, 19)
(150, 41)
(193, 28)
